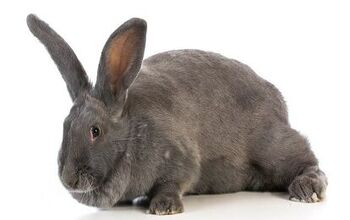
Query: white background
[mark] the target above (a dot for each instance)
(303, 47)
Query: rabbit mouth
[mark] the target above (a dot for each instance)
(81, 183)
(81, 187)
(81, 191)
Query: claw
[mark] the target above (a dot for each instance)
(314, 197)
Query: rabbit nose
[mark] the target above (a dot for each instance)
(69, 178)
(77, 177)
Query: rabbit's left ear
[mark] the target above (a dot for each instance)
(62, 54)
(121, 60)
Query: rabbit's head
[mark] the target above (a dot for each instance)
(89, 152)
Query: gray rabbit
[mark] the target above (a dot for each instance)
(180, 122)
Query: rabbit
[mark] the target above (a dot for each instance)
(178, 123)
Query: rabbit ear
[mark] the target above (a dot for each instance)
(67, 62)
(121, 60)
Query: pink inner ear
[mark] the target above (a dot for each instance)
(120, 55)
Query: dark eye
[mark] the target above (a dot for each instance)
(94, 132)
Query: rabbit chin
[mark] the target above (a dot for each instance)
(102, 197)
(79, 185)
(109, 192)
(90, 189)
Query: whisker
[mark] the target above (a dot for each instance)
(126, 139)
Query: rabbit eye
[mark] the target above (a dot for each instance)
(94, 132)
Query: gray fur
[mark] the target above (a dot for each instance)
(185, 122)
(67, 62)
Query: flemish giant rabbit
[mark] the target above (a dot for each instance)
(180, 122)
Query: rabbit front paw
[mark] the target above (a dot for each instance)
(308, 189)
(166, 204)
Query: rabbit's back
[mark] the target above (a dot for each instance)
(212, 107)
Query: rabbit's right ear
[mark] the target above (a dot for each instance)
(121, 61)
(67, 62)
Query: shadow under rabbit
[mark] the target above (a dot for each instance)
(210, 206)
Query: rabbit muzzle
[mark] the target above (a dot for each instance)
(79, 179)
